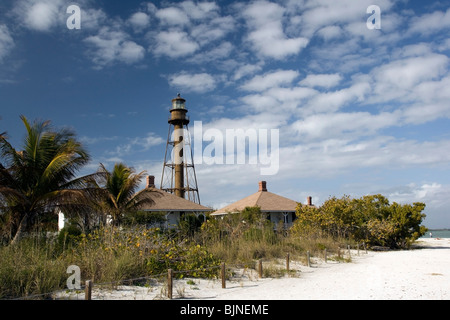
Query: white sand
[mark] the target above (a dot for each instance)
(417, 274)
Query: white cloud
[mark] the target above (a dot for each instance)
(45, 15)
(291, 95)
(109, 46)
(41, 16)
(404, 74)
(356, 124)
(200, 10)
(212, 30)
(328, 158)
(255, 121)
(217, 53)
(445, 45)
(325, 13)
(261, 103)
(345, 143)
(430, 22)
(6, 42)
(136, 144)
(172, 16)
(200, 82)
(413, 191)
(413, 50)
(334, 100)
(147, 142)
(246, 70)
(139, 20)
(392, 22)
(109, 43)
(431, 102)
(186, 27)
(93, 19)
(433, 194)
(397, 79)
(131, 52)
(174, 44)
(321, 80)
(330, 32)
(266, 37)
(270, 80)
(279, 100)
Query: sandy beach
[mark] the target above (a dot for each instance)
(419, 274)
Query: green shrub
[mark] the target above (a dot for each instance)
(370, 219)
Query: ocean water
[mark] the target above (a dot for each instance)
(437, 234)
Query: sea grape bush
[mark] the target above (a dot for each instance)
(370, 219)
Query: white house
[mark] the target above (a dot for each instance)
(173, 206)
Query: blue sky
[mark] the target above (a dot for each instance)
(359, 111)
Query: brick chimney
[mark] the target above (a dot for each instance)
(150, 181)
(262, 186)
(309, 199)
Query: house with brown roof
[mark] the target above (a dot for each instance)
(277, 208)
(174, 207)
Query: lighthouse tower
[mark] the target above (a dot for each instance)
(178, 175)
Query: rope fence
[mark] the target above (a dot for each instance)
(166, 280)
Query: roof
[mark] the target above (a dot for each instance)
(267, 201)
(165, 201)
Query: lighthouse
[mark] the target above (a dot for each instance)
(178, 175)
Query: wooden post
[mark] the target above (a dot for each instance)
(260, 268)
(325, 255)
(348, 247)
(169, 283)
(357, 249)
(223, 275)
(287, 263)
(88, 290)
(365, 248)
(308, 258)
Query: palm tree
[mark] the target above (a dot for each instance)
(41, 178)
(119, 193)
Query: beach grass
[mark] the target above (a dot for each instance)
(38, 265)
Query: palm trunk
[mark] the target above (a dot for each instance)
(21, 230)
